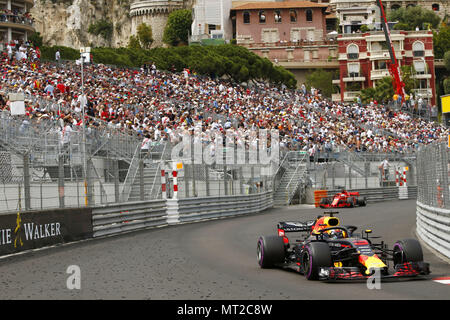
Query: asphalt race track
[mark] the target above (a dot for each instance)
(209, 260)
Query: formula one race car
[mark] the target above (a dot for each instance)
(343, 199)
(332, 252)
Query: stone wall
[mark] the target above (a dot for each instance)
(66, 23)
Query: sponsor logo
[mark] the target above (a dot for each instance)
(28, 232)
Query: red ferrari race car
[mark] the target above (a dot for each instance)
(343, 199)
(331, 252)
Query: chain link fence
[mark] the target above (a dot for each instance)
(433, 175)
(361, 170)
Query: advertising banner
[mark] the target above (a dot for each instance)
(30, 230)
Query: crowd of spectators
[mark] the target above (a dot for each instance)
(15, 16)
(154, 104)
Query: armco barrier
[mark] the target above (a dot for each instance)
(382, 194)
(128, 216)
(433, 227)
(114, 219)
(196, 209)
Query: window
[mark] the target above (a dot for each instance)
(352, 51)
(295, 35)
(418, 49)
(270, 35)
(293, 15)
(309, 15)
(246, 17)
(380, 65)
(353, 69)
(435, 7)
(262, 17)
(395, 7)
(277, 16)
(419, 66)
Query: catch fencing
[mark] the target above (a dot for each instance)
(44, 165)
(433, 200)
(346, 169)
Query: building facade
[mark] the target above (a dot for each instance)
(211, 20)
(352, 14)
(363, 61)
(16, 22)
(154, 13)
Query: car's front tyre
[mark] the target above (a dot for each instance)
(315, 255)
(407, 250)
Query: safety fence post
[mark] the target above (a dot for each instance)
(163, 184)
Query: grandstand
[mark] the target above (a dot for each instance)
(124, 107)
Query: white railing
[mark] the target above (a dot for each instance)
(433, 227)
(378, 74)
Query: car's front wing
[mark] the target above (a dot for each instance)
(401, 271)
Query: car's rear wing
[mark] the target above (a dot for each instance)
(296, 226)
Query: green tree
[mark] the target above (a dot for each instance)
(178, 26)
(447, 86)
(441, 41)
(145, 35)
(411, 18)
(322, 80)
(447, 60)
(133, 43)
(36, 39)
(103, 28)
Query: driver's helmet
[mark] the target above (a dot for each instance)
(336, 234)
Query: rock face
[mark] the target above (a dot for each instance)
(66, 23)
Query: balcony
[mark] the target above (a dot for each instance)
(351, 95)
(354, 77)
(379, 55)
(424, 93)
(421, 76)
(336, 97)
(19, 21)
(379, 74)
(336, 81)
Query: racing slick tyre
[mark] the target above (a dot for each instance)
(362, 202)
(270, 251)
(351, 202)
(324, 202)
(314, 256)
(407, 250)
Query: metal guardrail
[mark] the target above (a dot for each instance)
(433, 227)
(380, 194)
(196, 209)
(119, 218)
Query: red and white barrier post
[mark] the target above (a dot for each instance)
(397, 181)
(404, 175)
(175, 181)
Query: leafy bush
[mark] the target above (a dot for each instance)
(235, 62)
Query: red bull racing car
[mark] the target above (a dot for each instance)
(329, 251)
(343, 199)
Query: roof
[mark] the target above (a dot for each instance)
(280, 5)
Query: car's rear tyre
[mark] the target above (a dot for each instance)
(407, 250)
(362, 202)
(351, 202)
(315, 255)
(270, 251)
(324, 202)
